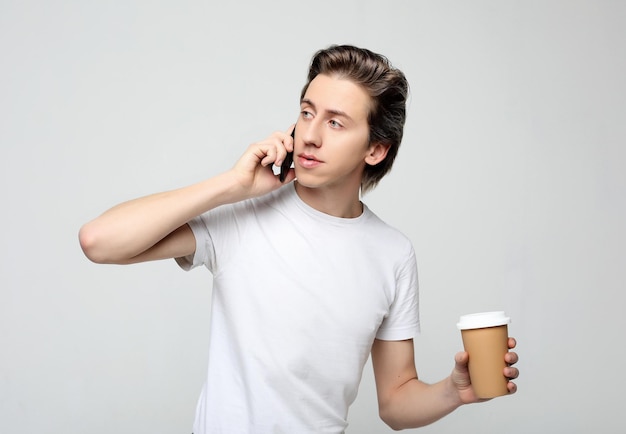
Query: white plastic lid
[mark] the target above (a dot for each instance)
(482, 320)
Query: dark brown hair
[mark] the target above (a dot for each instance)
(387, 87)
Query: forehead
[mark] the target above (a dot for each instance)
(336, 94)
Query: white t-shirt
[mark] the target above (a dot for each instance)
(298, 298)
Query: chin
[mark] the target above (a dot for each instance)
(313, 182)
(308, 183)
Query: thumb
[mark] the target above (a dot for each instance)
(460, 374)
(461, 360)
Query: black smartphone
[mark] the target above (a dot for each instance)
(284, 168)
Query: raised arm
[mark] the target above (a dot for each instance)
(405, 401)
(155, 226)
(151, 227)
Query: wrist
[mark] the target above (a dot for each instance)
(453, 393)
(228, 188)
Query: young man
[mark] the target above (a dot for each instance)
(307, 280)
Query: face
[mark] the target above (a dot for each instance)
(332, 134)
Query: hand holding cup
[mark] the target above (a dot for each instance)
(485, 338)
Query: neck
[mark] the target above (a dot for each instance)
(343, 205)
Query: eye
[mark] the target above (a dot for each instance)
(306, 114)
(334, 124)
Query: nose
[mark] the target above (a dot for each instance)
(309, 131)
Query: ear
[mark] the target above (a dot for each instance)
(376, 153)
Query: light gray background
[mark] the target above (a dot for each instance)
(510, 183)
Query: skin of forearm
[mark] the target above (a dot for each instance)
(130, 228)
(416, 404)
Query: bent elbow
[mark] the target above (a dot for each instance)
(386, 416)
(91, 246)
(391, 424)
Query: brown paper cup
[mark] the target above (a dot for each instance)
(485, 337)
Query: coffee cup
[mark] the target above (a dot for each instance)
(485, 337)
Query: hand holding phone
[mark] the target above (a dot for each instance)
(284, 168)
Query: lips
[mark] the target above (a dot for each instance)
(309, 157)
(308, 161)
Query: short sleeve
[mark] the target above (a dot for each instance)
(402, 322)
(201, 256)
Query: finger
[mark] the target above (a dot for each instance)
(512, 343)
(284, 145)
(281, 153)
(270, 154)
(512, 387)
(511, 373)
(285, 138)
(511, 358)
(290, 144)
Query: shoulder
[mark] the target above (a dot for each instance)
(391, 247)
(249, 207)
(380, 228)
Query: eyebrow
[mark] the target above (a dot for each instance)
(330, 111)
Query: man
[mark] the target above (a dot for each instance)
(307, 280)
